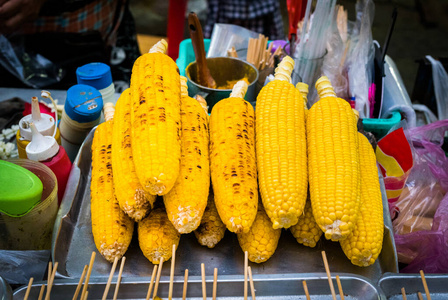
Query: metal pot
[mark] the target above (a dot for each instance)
(222, 69)
(5, 290)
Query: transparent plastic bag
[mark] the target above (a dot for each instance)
(225, 36)
(32, 69)
(440, 79)
(421, 228)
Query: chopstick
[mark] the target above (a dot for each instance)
(204, 292)
(251, 280)
(151, 283)
(173, 260)
(245, 273)
(327, 269)
(89, 271)
(215, 282)
(184, 294)
(420, 296)
(159, 272)
(123, 260)
(425, 286)
(341, 292)
(403, 294)
(28, 289)
(41, 293)
(50, 284)
(305, 288)
(78, 288)
(111, 275)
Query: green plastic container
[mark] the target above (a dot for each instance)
(186, 54)
(380, 127)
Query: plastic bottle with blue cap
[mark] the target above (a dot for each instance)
(82, 112)
(99, 76)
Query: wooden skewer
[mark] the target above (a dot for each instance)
(215, 282)
(111, 275)
(41, 293)
(159, 272)
(341, 292)
(245, 273)
(184, 294)
(78, 288)
(89, 271)
(251, 280)
(420, 296)
(50, 271)
(50, 284)
(86, 295)
(173, 260)
(28, 289)
(305, 288)
(120, 272)
(403, 294)
(327, 269)
(425, 285)
(151, 283)
(204, 291)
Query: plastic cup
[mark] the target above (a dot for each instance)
(32, 231)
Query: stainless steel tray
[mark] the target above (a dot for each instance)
(281, 287)
(73, 243)
(391, 285)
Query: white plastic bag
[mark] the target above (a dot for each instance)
(440, 79)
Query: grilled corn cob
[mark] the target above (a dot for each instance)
(155, 120)
(131, 196)
(212, 229)
(186, 202)
(156, 236)
(306, 231)
(281, 148)
(333, 163)
(112, 229)
(261, 240)
(364, 244)
(232, 157)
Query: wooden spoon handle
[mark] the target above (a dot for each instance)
(197, 39)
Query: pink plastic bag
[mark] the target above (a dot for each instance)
(421, 228)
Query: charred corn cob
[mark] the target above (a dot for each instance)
(131, 196)
(364, 244)
(306, 231)
(212, 229)
(281, 148)
(261, 240)
(333, 163)
(155, 120)
(186, 202)
(232, 157)
(156, 236)
(112, 229)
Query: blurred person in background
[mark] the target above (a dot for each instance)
(262, 16)
(70, 33)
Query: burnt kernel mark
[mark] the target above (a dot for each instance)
(142, 101)
(236, 185)
(199, 166)
(234, 175)
(109, 146)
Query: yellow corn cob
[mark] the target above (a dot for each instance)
(306, 231)
(155, 120)
(112, 229)
(333, 163)
(156, 236)
(186, 202)
(232, 157)
(281, 148)
(131, 196)
(261, 240)
(364, 244)
(212, 229)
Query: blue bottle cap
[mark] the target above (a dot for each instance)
(83, 104)
(94, 74)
